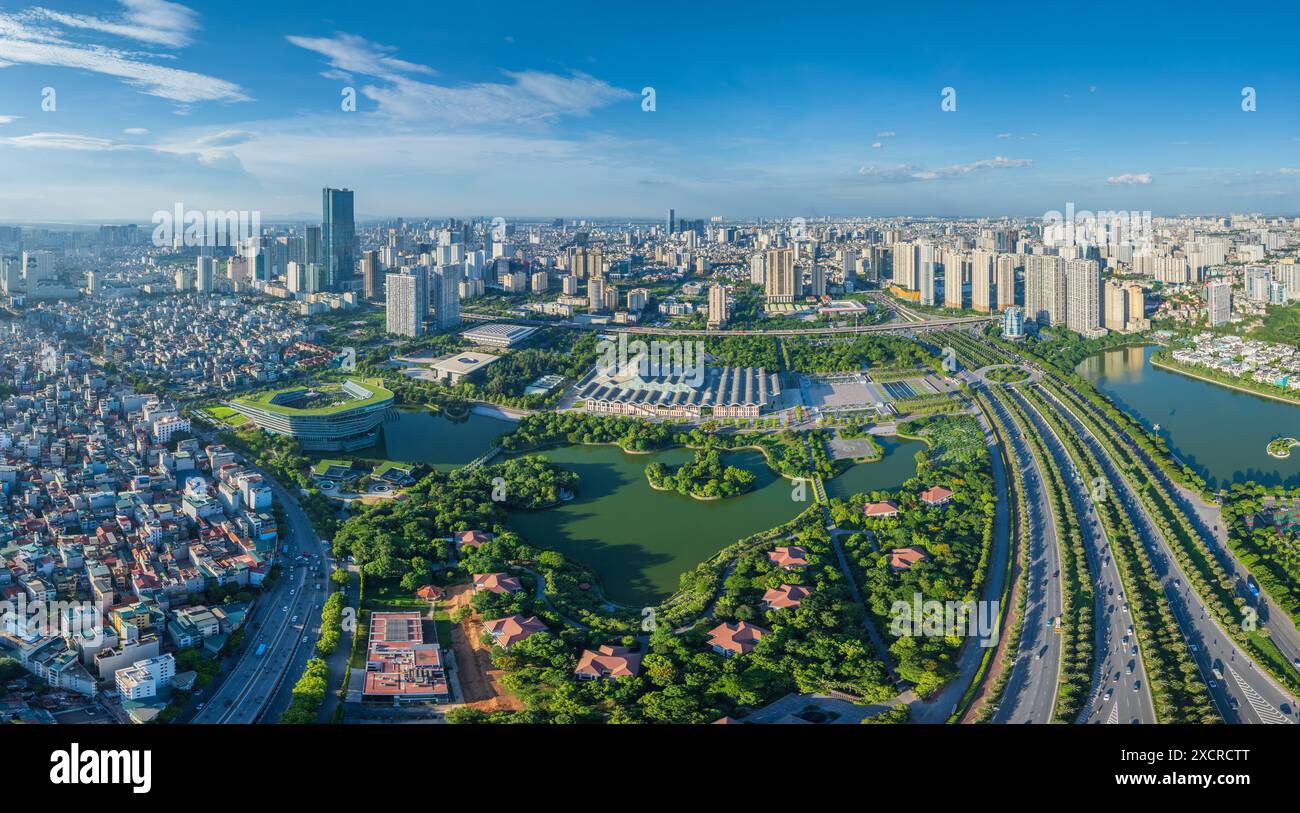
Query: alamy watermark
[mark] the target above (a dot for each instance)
(678, 360)
(195, 227)
(1085, 228)
(24, 619)
(931, 618)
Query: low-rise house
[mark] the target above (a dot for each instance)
(884, 508)
(608, 662)
(904, 558)
(735, 639)
(498, 583)
(506, 632)
(936, 495)
(789, 557)
(785, 596)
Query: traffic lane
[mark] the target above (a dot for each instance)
(1205, 628)
(270, 665)
(1104, 577)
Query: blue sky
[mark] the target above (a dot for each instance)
(762, 109)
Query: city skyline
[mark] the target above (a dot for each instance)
(156, 102)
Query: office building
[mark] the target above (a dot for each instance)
(338, 238)
(444, 296)
(781, 281)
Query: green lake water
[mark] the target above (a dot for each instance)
(1219, 432)
(639, 540)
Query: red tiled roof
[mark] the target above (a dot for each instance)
(936, 495)
(787, 595)
(739, 637)
(508, 631)
(904, 558)
(886, 508)
(609, 661)
(789, 556)
(497, 583)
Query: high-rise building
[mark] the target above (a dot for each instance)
(981, 280)
(1004, 271)
(637, 299)
(1083, 304)
(37, 267)
(338, 238)
(671, 224)
(782, 282)
(1257, 280)
(444, 296)
(1114, 306)
(849, 268)
(955, 266)
(925, 282)
(596, 294)
(906, 265)
(816, 274)
(758, 269)
(407, 296)
(204, 272)
(1218, 302)
(1136, 308)
(718, 314)
(372, 275)
(1045, 289)
(311, 245)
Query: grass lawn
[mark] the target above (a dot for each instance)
(226, 415)
(443, 619)
(381, 595)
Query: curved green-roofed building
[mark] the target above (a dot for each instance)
(335, 417)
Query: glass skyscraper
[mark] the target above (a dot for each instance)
(338, 238)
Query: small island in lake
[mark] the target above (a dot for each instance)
(704, 477)
(1281, 447)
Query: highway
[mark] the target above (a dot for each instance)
(1207, 521)
(1117, 668)
(892, 327)
(1245, 694)
(286, 619)
(1030, 693)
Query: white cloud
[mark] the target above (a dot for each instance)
(38, 37)
(136, 131)
(957, 170)
(1004, 135)
(156, 22)
(1289, 171)
(61, 141)
(9, 119)
(1130, 178)
(876, 145)
(886, 134)
(401, 92)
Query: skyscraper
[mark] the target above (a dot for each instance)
(444, 296)
(338, 238)
(596, 294)
(1218, 302)
(671, 225)
(372, 279)
(1045, 290)
(781, 279)
(1083, 310)
(407, 302)
(717, 306)
(981, 280)
(906, 265)
(817, 274)
(955, 265)
(1115, 304)
(1004, 269)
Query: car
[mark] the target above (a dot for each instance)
(1234, 703)
(1296, 663)
(1126, 606)
(1194, 648)
(200, 706)
(294, 620)
(304, 639)
(1135, 649)
(1130, 629)
(1105, 563)
(284, 609)
(293, 592)
(1125, 641)
(1109, 692)
(1136, 683)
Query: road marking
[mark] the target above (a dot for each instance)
(1265, 711)
(1113, 719)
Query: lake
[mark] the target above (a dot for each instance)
(639, 540)
(1221, 433)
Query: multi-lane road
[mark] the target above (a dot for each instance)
(286, 620)
(1120, 689)
(1030, 693)
(1244, 694)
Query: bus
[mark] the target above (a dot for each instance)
(261, 650)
